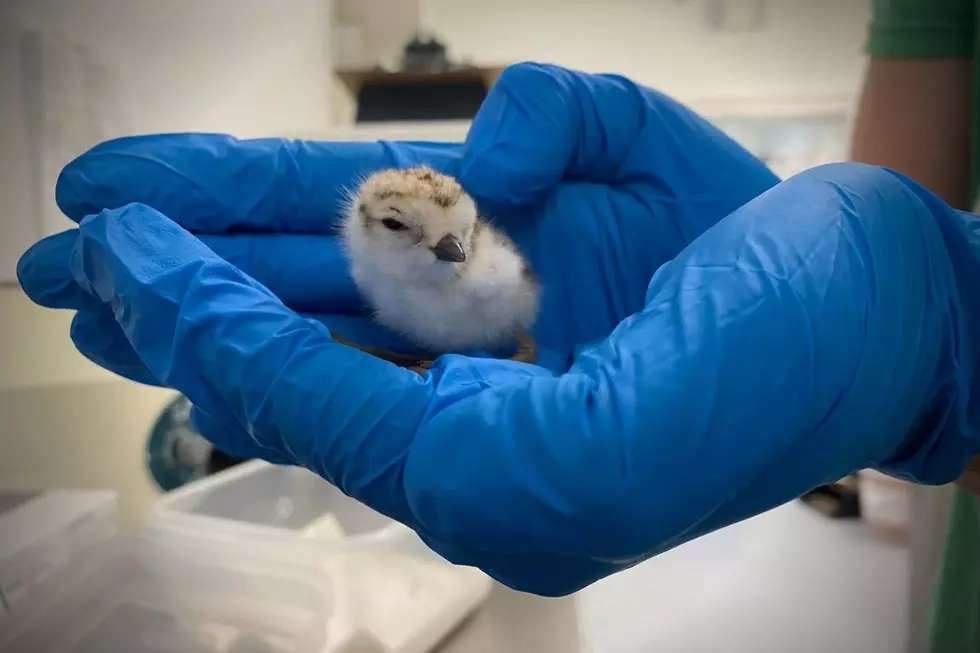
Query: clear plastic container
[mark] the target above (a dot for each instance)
(141, 594)
(404, 598)
(42, 531)
(262, 500)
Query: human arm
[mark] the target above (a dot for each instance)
(915, 116)
(915, 113)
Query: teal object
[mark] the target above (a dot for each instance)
(176, 453)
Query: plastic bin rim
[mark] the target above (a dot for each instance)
(165, 518)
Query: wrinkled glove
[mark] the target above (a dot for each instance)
(696, 369)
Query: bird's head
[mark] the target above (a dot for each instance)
(414, 221)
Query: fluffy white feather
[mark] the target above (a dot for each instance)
(405, 231)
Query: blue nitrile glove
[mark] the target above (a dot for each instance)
(820, 329)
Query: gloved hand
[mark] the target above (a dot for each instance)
(718, 370)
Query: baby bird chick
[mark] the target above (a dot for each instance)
(431, 268)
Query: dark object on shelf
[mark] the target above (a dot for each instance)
(838, 500)
(425, 56)
(395, 97)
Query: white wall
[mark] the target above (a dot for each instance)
(806, 49)
(65, 422)
(380, 29)
(35, 350)
(249, 67)
(117, 67)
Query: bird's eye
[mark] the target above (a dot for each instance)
(393, 224)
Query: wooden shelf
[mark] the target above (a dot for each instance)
(354, 79)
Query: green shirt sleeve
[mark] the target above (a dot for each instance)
(918, 29)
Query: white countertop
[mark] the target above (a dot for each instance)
(789, 581)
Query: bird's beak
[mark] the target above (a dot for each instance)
(449, 249)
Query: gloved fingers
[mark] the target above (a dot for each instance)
(214, 183)
(541, 123)
(204, 328)
(99, 338)
(307, 272)
(43, 274)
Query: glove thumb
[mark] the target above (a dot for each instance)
(541, 123)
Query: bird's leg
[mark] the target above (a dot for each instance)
(413, 363)
(527, 349)
(527, 352)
